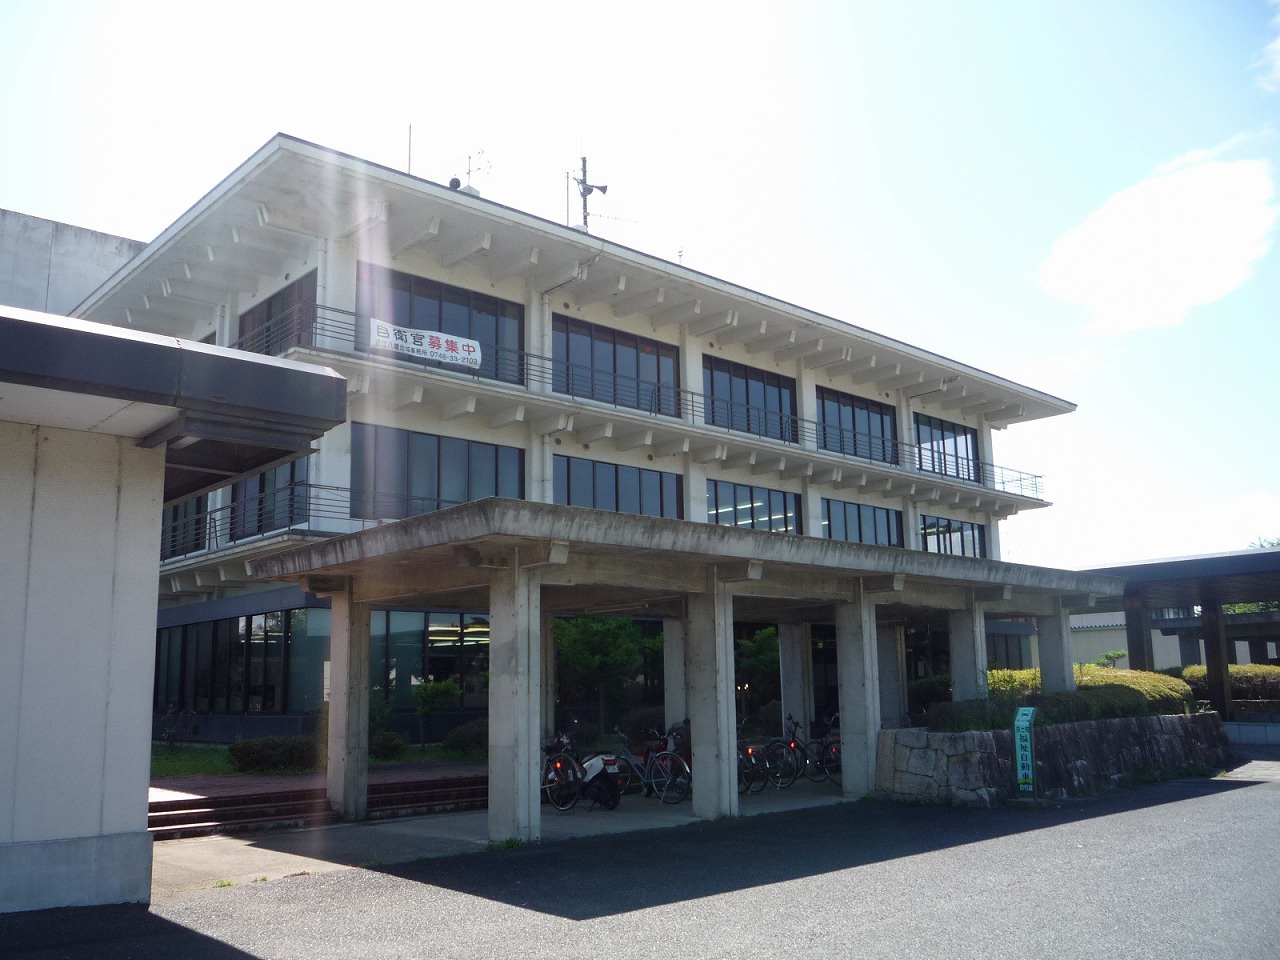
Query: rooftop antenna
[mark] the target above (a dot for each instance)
(586, 189)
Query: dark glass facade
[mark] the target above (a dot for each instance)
(857, 427)
(615, 367)
(421, 304)
(283, 320)
(860, 523)
(748, 400)
(957, 537)
(950, 449)
(759, 508)
(398, 473)
(620, 489)
(184, 527)
(272, 500)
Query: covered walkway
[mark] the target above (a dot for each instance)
(529, 562)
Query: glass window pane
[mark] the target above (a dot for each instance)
(453, 471)
(426, 306)
(651, 493)
(629, 490)
(484, 471)
(606, 497)
(581, 483)
(511, 473)
(560, 481)
(424, 488)
(673, 496)
(405, 657)
(455, 313)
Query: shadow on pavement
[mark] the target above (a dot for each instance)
(709, 858)
(105, 933)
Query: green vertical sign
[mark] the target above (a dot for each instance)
(1023, 751)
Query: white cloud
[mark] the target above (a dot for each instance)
(1186, 236)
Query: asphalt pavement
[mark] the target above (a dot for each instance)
(1182, 869)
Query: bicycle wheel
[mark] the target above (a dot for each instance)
(815, 767)
(671, 777)
(759, 773)
(561, 782)
(780, 764)
(628, 774)
(831, 759)
(744, 771)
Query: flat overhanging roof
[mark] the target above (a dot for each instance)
(1241, 576)
(595, 561)
(222, 413)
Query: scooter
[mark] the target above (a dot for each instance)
(597, 774)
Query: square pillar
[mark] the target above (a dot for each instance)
(675, 698)
(967, 631)
(891, 660)
(515, 704)
(1057, 665)
(856, 663)
(1216, 660)
(348, 769)
(795, 660)
(1137, 630)
(712, 731)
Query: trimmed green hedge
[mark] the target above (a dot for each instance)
(467, 740)
(1101, 693)
(1249, 681)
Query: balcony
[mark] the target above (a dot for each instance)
(750, 436)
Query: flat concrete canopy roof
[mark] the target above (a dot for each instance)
(1239, 577)
(222, 413)
(595, 561)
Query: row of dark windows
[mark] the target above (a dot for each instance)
(860, 523)
(857, 427)
(399, 473)
(421, 304)
(272, 500)
(759, 508)
(748, 400)
(959, 538)
(947, 448)
(283, 320)
(619, 489)
(611, 366)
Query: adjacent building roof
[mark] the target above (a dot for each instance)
(1242, 576)
(221, 412)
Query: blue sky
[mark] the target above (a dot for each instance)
(1080, 197)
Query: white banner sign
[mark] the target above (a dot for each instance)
(427, 344)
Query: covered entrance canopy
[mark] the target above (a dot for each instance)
(1187, 583)
(527, 562)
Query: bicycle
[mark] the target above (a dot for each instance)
(663, 774)
(816, 759)
(566, 777)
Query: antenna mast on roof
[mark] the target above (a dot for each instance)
(586, 189)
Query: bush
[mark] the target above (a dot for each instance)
(1164, 694)
(274, 755)
(1249, 681)
(958, 716)
(386, 745)
(1013, 683)
(467, 740)
(1112, 700)
(923, 694)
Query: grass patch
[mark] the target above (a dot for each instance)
(182, 760)
(511, 843)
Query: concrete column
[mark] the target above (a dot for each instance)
(709, 661)
(515, 704)
(1213, 626)
(859, 694)
(795, 659)
(1137, 629)
(967, 630)
(891, 658)
(348, 770)
(550, 681)
(675, 697)
(1057, 665)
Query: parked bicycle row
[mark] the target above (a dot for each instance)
(662, 768)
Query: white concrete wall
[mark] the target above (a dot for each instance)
(80, 523)
(52, 266)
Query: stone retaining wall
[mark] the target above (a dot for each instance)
(975, 769)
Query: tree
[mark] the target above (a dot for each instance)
(598, 655)
(758, 667)
(431, 696)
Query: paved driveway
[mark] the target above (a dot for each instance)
(1186, 869)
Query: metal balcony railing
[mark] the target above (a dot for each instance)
(328, 328)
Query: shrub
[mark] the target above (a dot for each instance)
(949, 716)
(1112, 700)
(1014, 683)
(1065, 706)
(923, 694)
(1164, 694)
(467, 740)
(273, 755)
(386, 745)
(1249, 681)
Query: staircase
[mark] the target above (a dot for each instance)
(292, 809)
